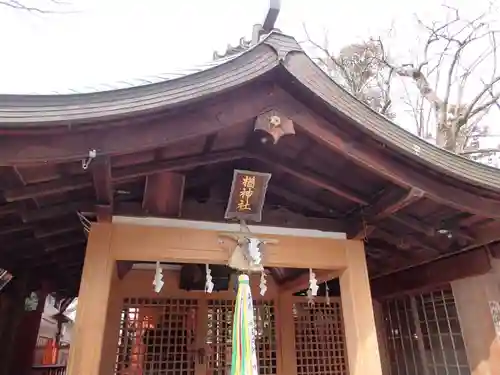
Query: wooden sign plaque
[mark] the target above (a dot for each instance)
(248, 193)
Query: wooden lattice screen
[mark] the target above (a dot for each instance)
(154, 337)
(219, 337)
(423, 335)
(319, 338)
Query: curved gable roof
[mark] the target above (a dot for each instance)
(276, 51)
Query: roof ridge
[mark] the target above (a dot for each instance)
(151, 79)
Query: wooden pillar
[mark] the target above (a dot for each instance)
(381, 337)
(357, 309)
(286, 331)
(26, 336)
(86, 351)
(112, 328)
(472, 299)
(12, 316)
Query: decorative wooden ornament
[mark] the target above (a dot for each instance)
(275, 124)
(246, 255)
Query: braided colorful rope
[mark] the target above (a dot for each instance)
(244, 356)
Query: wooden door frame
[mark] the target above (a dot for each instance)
(143, 239)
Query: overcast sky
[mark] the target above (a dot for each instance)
(97, 41)
(91, 43)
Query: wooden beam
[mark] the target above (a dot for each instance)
(438, 272)
(64, 242)
(383, 164)
(302, 282)
(426, 229)
(304, 174)
(386, 204)
(14, 229)
(44, 189)
(190, 245)
(485, 235)
(210, 211)
(9, 208)
(163, 194)
(292, 197)
(173, 165)
(232, 109)
(104, 212)
(101, 176)
(123, 267)
(56, 230)
(398, 241)
(122, 174)
(103, 186)
(56, 211)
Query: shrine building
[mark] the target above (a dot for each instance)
(104, 193)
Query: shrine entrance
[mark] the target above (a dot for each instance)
(190, 333)
(135, 327)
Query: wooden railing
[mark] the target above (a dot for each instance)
(48, 370)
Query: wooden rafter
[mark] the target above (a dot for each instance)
(485, 235)
(284, 165)
(50, 212)
(9, 208)
(430, 231)
(159, 132)
(55, 230)
(310, 203)
(384, 165)
(402, 242)
(121, 174)
(387, 203)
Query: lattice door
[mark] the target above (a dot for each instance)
(157, 337)
(219, 336)
(319, 338)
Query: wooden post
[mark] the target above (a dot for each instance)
(285, 326)
(13, 316)
(89, 332)
(472, 299)
(381, 337)
(112, 329)
(26, 336)
(360, 332)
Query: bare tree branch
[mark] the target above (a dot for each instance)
(51, 8)
(446, 98)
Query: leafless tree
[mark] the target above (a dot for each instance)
(361, 69)
(40, 7)
(450, 89)
(460, 58)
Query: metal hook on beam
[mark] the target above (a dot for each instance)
(86, 162)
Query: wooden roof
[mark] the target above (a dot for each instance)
(346, 168)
